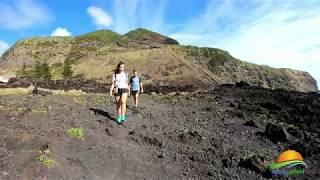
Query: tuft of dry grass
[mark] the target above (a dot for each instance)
(15, 91)
(69, 93)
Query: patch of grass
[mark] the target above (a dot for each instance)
(101, 36)
(211, 57)
(38, 111)
(56, 70)
(45, 160)
(132, 60)
(69, 93)
(67, 69)
(76, 133)
(141, 34)
(21, 109)
(47, 41)
(90, 71)
(200, 51)
(165, 98)
(267, 70)
(80, 101)
(75, 55)
(5, 108)
(15, 91)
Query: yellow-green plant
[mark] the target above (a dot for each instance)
(76, 132)
(47, 161)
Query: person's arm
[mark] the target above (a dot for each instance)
(112, 85)
(111, 89)
(129, 89)
(129, 84)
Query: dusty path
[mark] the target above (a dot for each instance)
(199, 136)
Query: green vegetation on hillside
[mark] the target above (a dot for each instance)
(203, 51)
(141, 34)
(98, 38)
(211, 57)
(40, 70)
(23, 72)
(67, 69)
(44, 41)
(75, 55)
(147, 51)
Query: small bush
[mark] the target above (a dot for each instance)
(45, 160)
(41, 71)
(76, 132)
(67, 69)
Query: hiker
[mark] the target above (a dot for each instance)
(119, 88)
(136, 87)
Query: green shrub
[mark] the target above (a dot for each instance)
(67, 69)
(76, 132)
(45, 160)
(41, 71)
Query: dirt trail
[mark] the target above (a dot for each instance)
(196, 136)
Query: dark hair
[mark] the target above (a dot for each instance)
(134, 71)
(117, 70)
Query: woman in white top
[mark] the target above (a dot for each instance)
(120, 84)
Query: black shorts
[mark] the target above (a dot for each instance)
(134, 92)
(122, 91)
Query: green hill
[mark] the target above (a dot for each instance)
(101, 37)
(161, 60)
(141, 34)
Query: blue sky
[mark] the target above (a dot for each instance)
(278, 33)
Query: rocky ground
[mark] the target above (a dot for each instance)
(90, 86)
(231, 132)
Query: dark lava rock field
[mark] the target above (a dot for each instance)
(230, 132)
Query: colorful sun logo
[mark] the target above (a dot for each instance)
(289, 155)
(289, 162)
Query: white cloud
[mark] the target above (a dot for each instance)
(3, 47)
(126, 15)
(100, 17)
(61, 32)
(152, 15)
(132, 14)
(274, 41)
(280, 34)
(23, 14)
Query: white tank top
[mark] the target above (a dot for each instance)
(120, 80)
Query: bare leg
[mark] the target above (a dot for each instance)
(136, 99)
(118, 102)
(123, 103)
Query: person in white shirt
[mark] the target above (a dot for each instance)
(120, 89)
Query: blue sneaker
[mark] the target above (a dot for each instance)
(119, 119)
(123, 119)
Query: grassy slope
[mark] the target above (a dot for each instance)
(103, 36)
(96, 54)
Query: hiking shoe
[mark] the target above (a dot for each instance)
(123, 119)
(119, 119)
